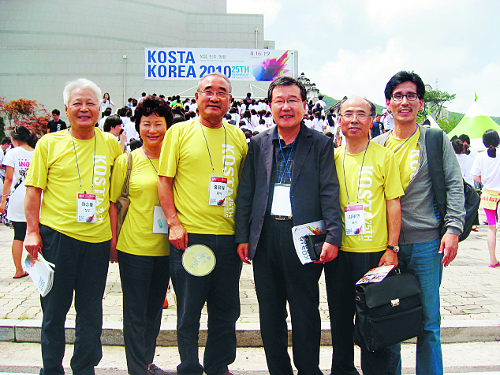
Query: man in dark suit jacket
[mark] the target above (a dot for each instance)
(289, 178)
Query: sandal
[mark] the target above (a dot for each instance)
(20, 277)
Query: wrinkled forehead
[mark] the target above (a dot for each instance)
(82, 93)
(355, 104)
(215, 83)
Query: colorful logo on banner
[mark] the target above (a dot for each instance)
(237, 64)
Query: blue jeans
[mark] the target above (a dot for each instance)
(220, 289)
(423, 260)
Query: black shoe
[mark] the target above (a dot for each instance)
(155, 370)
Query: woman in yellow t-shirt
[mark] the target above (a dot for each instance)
(142, 248)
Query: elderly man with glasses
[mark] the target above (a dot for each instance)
(198, 177)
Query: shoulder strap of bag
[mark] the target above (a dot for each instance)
(19, 182)
(127, 177)
(434, 147)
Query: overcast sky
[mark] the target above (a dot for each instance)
(353, 47)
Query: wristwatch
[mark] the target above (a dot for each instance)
(393, 248)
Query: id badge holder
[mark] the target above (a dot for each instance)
(85, 209)
(217, 191)
(281, 205)
(354, 219)
(160, 225)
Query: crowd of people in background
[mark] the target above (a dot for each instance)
(163, 174)
(251, 115)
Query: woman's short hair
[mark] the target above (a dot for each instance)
(153, 105)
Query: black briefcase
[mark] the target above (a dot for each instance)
(388, 312)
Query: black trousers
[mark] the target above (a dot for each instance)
(341, 276)
(280, 277)
(81, 267)
(144, 285)
(220, 290)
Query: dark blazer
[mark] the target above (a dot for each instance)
(314, 191)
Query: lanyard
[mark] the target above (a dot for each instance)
(208, 148)
(287, 160)
(149, 159)
(359, 178)
(406, 140)
(76, 160)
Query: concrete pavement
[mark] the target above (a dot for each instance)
(470, 302)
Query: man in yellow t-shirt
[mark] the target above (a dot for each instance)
(71, 226)
(370, 188)
(200, 159)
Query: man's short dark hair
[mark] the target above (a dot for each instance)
(401, 77)
(122, 112)
(286, 81)
(6, 140)
(107, 111)
(112, 122)
(56, 112)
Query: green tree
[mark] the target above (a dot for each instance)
(449, 123)
(434, 101)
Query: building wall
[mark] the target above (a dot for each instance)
(46, 43)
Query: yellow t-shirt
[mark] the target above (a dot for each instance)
(54, 170)
(407, 154)
(371, 183)
(186, 157)
(136, 236)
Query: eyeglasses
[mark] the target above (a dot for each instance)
(211, 94)
(361, 116)
(411, 96)
(291, 102)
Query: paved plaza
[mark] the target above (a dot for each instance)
(470, 301)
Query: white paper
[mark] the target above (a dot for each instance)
(281, 205)
(354, 220)
(159, 221)
(41, 273)
(375, 275)
(301, 231)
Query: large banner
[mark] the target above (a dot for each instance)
(237, 64)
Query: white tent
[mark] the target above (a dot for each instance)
(434, 124)
(474, 124)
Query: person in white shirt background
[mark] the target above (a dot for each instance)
(486, 170)
(106, 102)
(16, 162)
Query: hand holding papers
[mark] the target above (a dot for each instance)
(41, 272)
(300, 234)
(375, 275)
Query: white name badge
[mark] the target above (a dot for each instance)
(281, 205)
(354, 220)
(217, 191)
(159, 221)
(85, 210)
